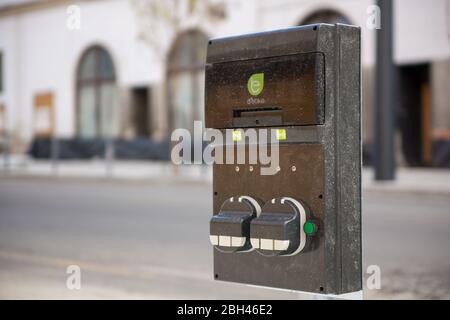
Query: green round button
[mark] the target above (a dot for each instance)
(309, 228)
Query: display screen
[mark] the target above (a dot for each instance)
(276, 91)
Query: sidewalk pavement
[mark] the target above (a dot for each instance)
(21, 166)
(409, 180)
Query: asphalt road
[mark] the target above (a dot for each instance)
(150, 240)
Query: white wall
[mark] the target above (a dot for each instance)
(41, 54)
(421, 30)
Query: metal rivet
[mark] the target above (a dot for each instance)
(251, 168)
(237, 168)
(294, 168)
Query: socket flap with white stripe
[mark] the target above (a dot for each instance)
(230, 228)
(278, 230)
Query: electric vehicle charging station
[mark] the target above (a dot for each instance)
(298, 229)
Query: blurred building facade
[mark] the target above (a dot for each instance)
(134, 69)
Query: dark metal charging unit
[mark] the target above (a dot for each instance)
(300, 228)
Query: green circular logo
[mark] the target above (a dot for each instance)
(255, 84)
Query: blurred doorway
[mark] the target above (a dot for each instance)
(414, 113)
(141, 112)
(43, 115)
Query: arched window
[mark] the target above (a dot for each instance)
(185, 77)
(97, 108)
(325, 16)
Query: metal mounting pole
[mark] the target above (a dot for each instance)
(384, 153)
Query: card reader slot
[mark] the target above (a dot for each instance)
(257, 117)
(255, 112)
